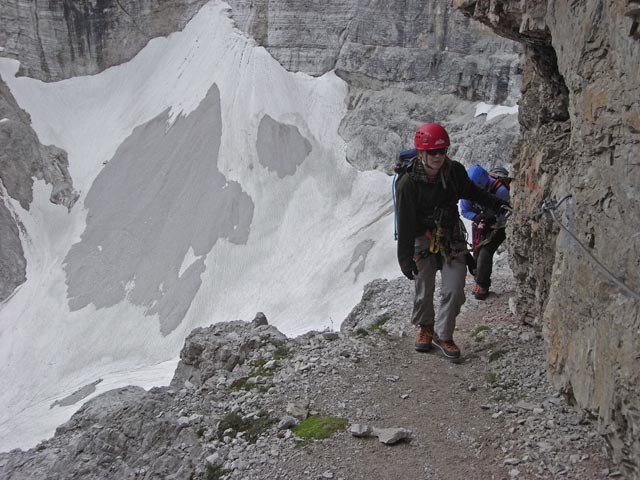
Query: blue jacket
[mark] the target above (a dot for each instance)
(472, 210)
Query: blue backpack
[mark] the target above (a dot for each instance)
(404, 160)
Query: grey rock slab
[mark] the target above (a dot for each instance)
(390, 436)
(360, 430)
(287, 421)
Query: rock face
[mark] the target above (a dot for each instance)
(580, 121)
(240, 387)
(23, 158)
(53, 41)
(406, 63)
(56, 40)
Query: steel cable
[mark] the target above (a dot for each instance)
(548, 206)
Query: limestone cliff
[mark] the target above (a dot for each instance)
(22, 159)
(67, 38)
(53, 41)
(580, 120)
(406, 63)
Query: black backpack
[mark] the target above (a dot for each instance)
(404, 160)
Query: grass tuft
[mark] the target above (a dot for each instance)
(319, 428)
(215, 472)
(379, 323)
(361, 332)
(477, 331)
(492, 378)
(253, 428)
(497, 355)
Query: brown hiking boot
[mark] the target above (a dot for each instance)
(480, 293)
(447, 347)
(425, 335)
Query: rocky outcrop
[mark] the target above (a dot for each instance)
(580, 121)
(22, 159)
(242, 388)
(406, 63)
(13, 266)
(56, 40)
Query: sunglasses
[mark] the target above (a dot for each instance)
(440, 151)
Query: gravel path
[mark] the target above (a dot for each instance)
(490, 416)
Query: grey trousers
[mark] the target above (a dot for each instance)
(451, 292)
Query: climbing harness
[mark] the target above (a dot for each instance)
(441, 240)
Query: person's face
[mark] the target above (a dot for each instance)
(434, 158)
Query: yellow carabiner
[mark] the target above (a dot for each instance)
(434, 245)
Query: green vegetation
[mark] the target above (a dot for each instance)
(361, 332)
(497, 355)
(253, 427)
(200, 432)
(475, 334)
(378, 324)
(282, 352)
(319, 428)
(215, 472)
(259, 370)
(492, 378)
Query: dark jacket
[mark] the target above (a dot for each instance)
(421, 204)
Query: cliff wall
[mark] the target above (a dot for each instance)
(65, 38)
(406, 63)
(580, 121)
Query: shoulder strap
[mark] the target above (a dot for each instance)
(497, 183)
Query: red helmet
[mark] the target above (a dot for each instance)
(431, 136)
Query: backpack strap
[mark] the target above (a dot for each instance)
(497, 183)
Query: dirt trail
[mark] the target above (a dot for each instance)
(466, 422)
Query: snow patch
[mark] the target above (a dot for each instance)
(492, 111)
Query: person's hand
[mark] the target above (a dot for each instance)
(488, 217)
(504, 206)
(409, 269)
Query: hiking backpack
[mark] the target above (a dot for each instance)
(404, 159)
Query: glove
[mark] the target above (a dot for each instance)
(503, 205)
(488, 217)
(409, 269)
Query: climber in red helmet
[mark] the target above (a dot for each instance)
(431, 236)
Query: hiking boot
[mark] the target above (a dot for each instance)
(425, 335)
(480, 293)
(447, 347)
